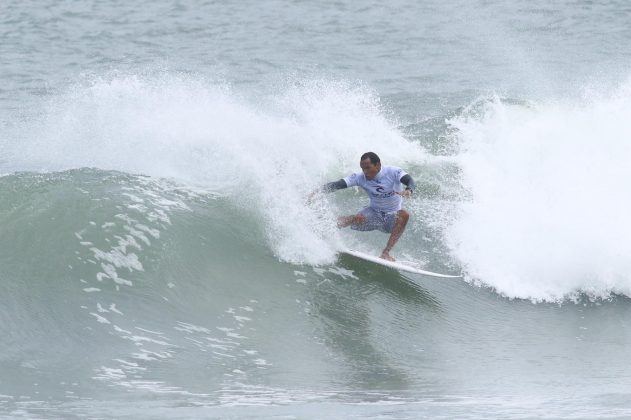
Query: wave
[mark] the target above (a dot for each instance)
(529, 198)
(265, 152)
(121, 278)
(547, 211)
(106, 272)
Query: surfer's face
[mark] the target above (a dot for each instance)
(369, 169)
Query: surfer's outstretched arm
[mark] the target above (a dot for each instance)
(334, 186)
(327, 188)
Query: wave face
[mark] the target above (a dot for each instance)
(546, 215)
(113, 281)
(122, 291)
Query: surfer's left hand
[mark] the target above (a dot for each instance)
(406, 193)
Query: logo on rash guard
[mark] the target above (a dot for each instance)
(380, 192)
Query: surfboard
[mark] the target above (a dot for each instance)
(397, 265)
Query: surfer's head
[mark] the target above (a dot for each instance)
(370, 164)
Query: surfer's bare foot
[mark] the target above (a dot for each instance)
(386, 256)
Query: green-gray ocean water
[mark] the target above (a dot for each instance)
(158, 258)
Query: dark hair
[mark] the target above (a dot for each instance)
(374, 159)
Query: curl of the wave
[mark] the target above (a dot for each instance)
(547, 217)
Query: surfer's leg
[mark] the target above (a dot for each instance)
(354, 220)
(366, 219)
(400, 222)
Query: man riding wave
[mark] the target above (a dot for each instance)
(383, 186)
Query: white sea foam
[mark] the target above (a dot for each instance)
(548, 212)
(266, 153)
(100, 319)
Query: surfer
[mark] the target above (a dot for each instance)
(383, 186)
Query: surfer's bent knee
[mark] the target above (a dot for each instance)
(354, 220)
(359, 219)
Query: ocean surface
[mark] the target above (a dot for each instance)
(159, 260)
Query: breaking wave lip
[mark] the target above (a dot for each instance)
(264, 152)
(546, 217)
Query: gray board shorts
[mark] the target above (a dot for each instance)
(376, 220)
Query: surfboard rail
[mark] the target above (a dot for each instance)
(395, 264)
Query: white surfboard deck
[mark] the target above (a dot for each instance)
(397, 265)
